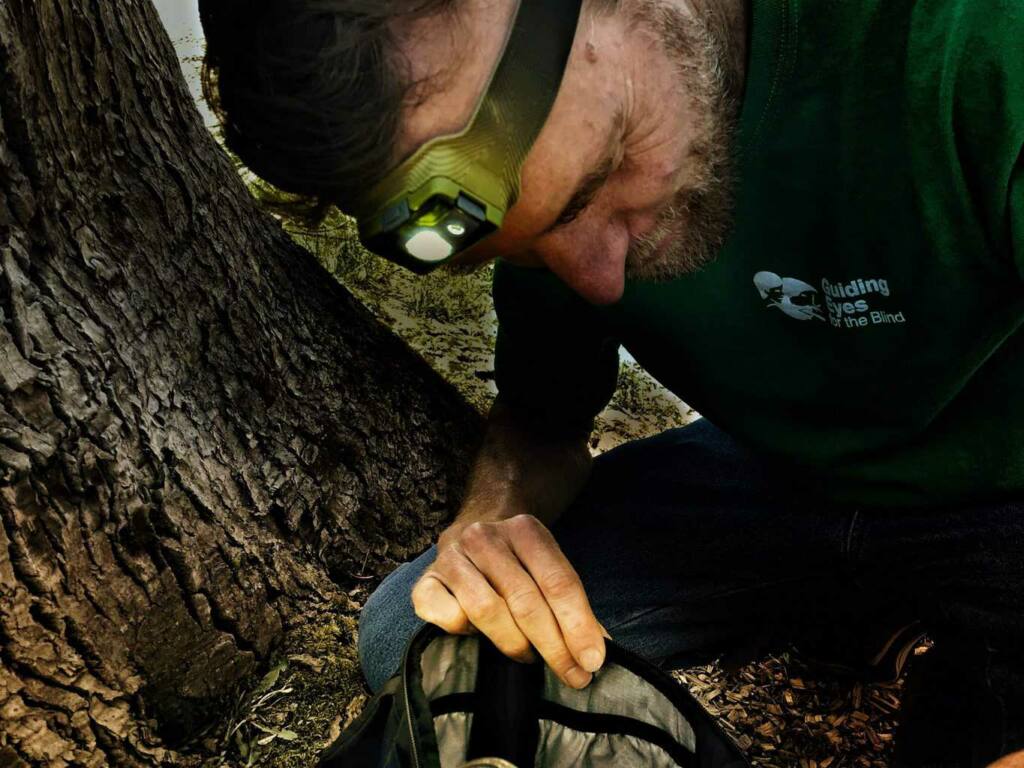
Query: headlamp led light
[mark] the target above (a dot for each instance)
(455, 190)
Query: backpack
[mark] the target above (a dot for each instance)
(457, 701)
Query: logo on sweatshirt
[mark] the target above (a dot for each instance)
(855, 303)
(790, 296)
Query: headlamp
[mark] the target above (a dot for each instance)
(455, 190)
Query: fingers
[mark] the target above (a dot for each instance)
(562, 590)
(478, 605)
(510, 580)
(491, 554)
(433, 603)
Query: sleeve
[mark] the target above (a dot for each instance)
(556, 360)
(983, 74)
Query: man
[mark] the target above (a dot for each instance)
(805, 218)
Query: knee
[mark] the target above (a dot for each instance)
(387, 622)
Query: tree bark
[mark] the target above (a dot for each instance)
(200, 431)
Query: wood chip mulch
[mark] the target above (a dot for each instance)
(781, 717)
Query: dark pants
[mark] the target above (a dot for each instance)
(690, 549)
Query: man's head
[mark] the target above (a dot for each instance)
(628, 175)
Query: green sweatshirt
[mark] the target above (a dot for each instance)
(862, 324)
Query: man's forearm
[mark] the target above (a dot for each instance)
(498, 568)
(518, 472)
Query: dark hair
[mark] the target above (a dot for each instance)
(309, 92)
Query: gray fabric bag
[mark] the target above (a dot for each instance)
(457, 699)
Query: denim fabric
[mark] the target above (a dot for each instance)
(691, 548)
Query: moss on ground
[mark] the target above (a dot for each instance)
(311, 691)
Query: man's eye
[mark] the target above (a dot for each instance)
(585, 195)
(571, 213)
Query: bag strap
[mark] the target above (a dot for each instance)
(368, 739)
(505, 721)
(419, 736)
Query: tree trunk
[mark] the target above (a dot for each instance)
(200, 431)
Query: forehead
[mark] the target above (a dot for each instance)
(586, 118)
(450, 57)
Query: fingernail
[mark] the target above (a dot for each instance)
(591, 659)
(577, 677)
(604, 631)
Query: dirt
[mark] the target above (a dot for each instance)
(779, 715)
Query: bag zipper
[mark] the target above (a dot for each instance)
(408, 705)
(412, 734)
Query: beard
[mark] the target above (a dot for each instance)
(696, 222)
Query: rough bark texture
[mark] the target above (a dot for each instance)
(199, 430)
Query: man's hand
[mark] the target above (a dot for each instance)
(510, 580)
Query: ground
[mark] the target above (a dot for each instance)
(779, 714)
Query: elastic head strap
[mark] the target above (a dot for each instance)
(488, 154)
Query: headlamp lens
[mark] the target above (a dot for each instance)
(423, 237)
(428, 245)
